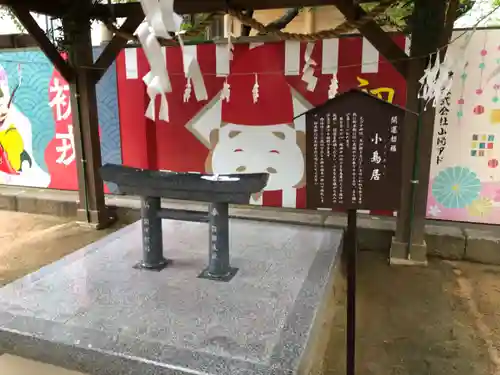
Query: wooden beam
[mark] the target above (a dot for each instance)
(375, 35)
(24, 16)
(60, 8)
(56, 8)
(17, 41)
(209, 6)
(108, 55)
(417, 135)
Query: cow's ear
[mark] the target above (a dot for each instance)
(301, 141)
(208, 163)
(234, 133)
(280, 135)
(214, 138)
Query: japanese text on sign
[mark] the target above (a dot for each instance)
(322, 147)
(332, 124)
(394, 134)
(341, 160)
(353, 154)
(213, 234)
(441, 139)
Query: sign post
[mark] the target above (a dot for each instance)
(351, 248)
(353, 162)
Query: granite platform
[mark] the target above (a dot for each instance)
(92, 312)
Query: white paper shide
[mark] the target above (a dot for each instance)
(157, 79)
(226, 91)
(438, 77)
(255, 89)
(333, 88)
(308, 70)
(163, 22)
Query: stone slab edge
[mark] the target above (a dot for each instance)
(94, 352)
(482, 246)
(315, 358)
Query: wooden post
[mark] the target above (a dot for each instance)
(82, 74)
(351, 249)
(91, 203)
(428, 27)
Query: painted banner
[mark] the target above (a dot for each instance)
(465, 174)
(240, 135)
(36, 131)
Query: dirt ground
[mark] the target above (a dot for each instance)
(28, 242)
(440, 320)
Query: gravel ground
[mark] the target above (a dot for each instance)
(440, 320)
(29, 242)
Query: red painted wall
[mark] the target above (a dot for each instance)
(174, 146)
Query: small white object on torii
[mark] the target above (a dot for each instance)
(308, 70)
(219, 178)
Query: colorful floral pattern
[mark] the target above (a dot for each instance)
(456, 187)
(480, 207)
(497, 196)
(465, 179)
(434, 211)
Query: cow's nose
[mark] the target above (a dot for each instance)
(241, 168)
(271, 170)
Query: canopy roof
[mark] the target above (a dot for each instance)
(59, 8)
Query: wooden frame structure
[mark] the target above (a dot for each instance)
(83, 73)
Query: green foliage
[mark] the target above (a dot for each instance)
(7, 14)
(398, 15)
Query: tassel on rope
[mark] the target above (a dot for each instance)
(226, 91)
(308, 70)
(187, 91)
(333, 88)
(255, 90)
(192, 70)
(229, 31)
